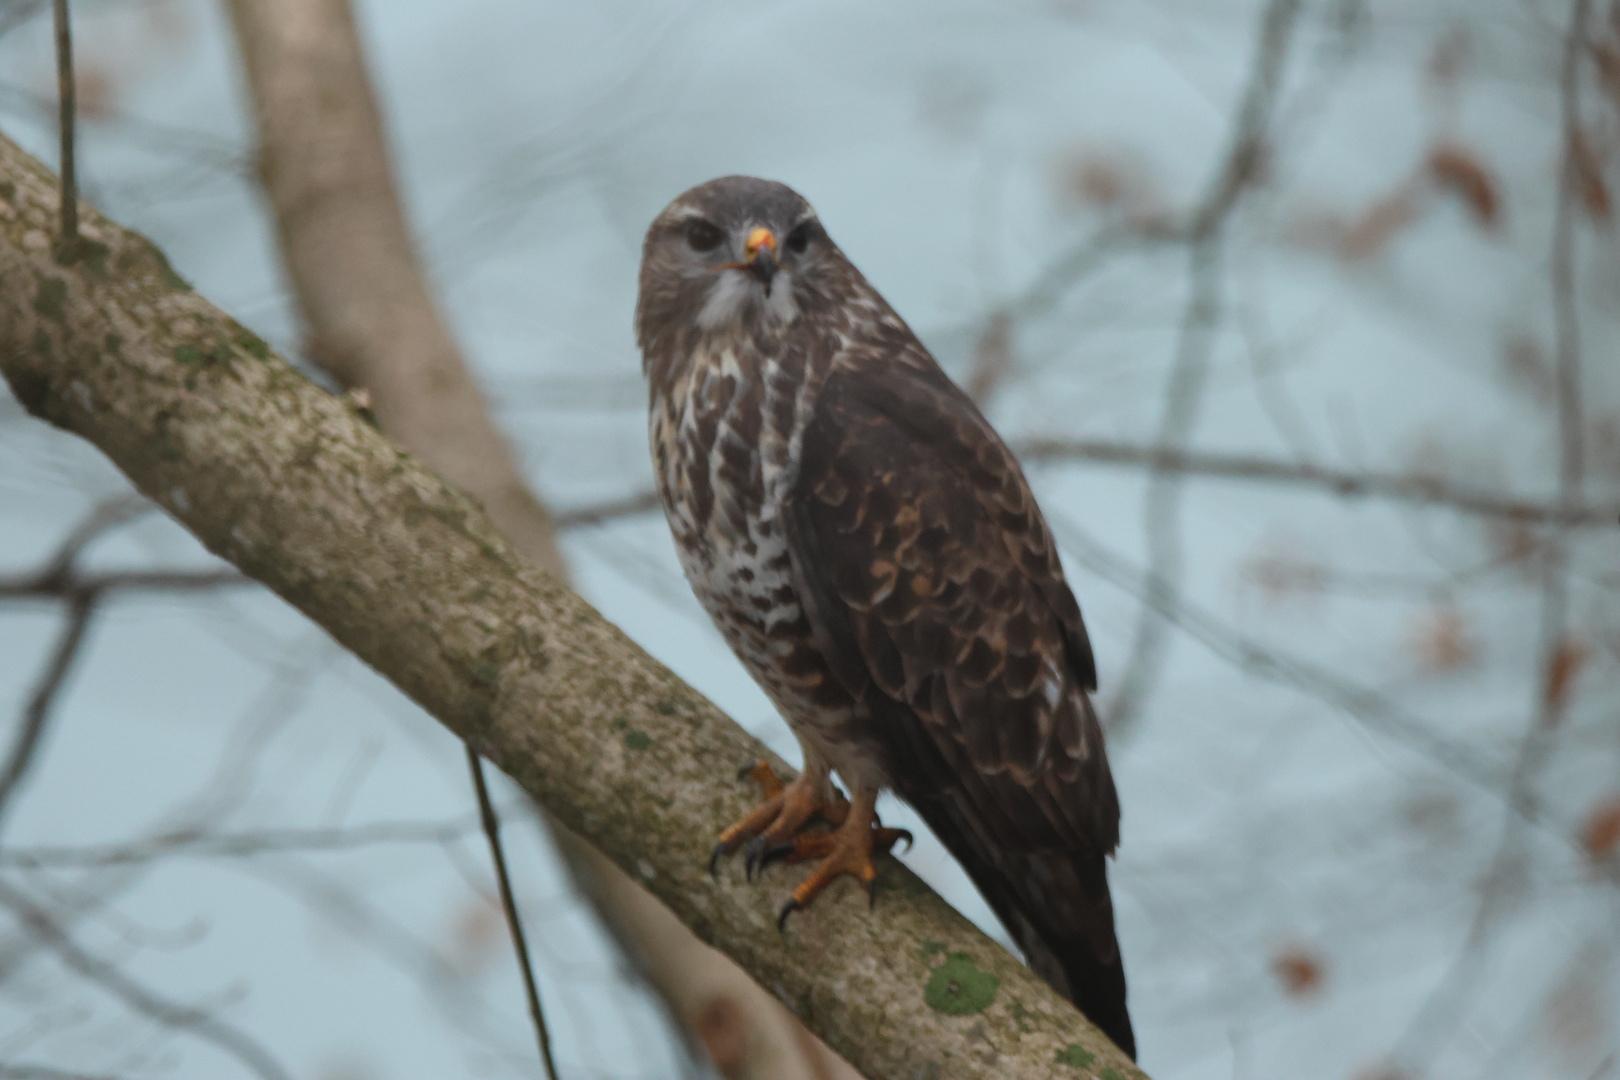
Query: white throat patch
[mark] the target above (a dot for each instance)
(736, 289)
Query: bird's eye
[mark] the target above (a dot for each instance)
(702, 235)
(799, 238)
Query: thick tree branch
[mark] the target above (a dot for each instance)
(283, 480)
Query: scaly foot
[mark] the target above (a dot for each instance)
(776, 821)
(773, 833)
(848, 849)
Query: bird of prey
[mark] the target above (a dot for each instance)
(870, 549)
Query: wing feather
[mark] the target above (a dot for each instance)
(931, 579)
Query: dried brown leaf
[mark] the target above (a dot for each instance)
(1606, 56)
(1285, 575)
(96, 91)
(1601, 834)
(1458, 171)
(1562, 667)
(1513, 541)
(1107, 179)
(1369, 234)
(1526, 365)
(1450, 55)
(1441, 640)
(1586, 169)
(1300, 970)
(476, 933)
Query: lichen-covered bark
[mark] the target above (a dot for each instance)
(285, 481)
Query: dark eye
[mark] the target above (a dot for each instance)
(800, 237)
(702, 235)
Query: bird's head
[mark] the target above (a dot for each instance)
(733, 254)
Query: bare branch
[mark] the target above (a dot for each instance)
(1369, 707)
(399, 566)
(196, 1022)
(1413, 488)
(199, 843)
(67, 115)
(25, 744)
(106, 515)
(1196, 340)
(44, 1072)
(602, 513)
(514, 921)
(76, 589)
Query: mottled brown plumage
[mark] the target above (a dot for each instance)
(871, 550)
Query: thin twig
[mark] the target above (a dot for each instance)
(1195, 344)
(1398, 487)
(25, 746)
(74, 587)
(198, 1022)
(66, 95)
(1443, 1009)
(444, 983)
(10, 1071)
(492, 829)
(1571, 424)
(602, 513)
(1370, 708)
(199, 843)
(103, 517)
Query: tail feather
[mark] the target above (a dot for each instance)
(1056, 905)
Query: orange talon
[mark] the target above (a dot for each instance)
(848, 849)
(773, 832)
(776, 820)
(818, 845)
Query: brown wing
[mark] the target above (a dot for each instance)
(931, 577)
(934, 590)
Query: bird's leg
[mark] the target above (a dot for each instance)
(775, 822)
(847, 849)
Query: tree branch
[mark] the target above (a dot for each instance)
(1195, 345)
(197, 1022)
(1413, 488)
(285, 481)
(200, 843)
(25, 745)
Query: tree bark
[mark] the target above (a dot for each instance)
(102, 339)
(371, 321)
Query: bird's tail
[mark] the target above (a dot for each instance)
(1056, 905)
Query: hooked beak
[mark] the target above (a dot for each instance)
(761, 257)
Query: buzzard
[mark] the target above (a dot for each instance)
(871, 551)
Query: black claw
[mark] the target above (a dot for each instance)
(905, 834)
(714, 860)
(787, 909)
(743, 773)
(871, 895)
(774, 854)
(751, 856)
